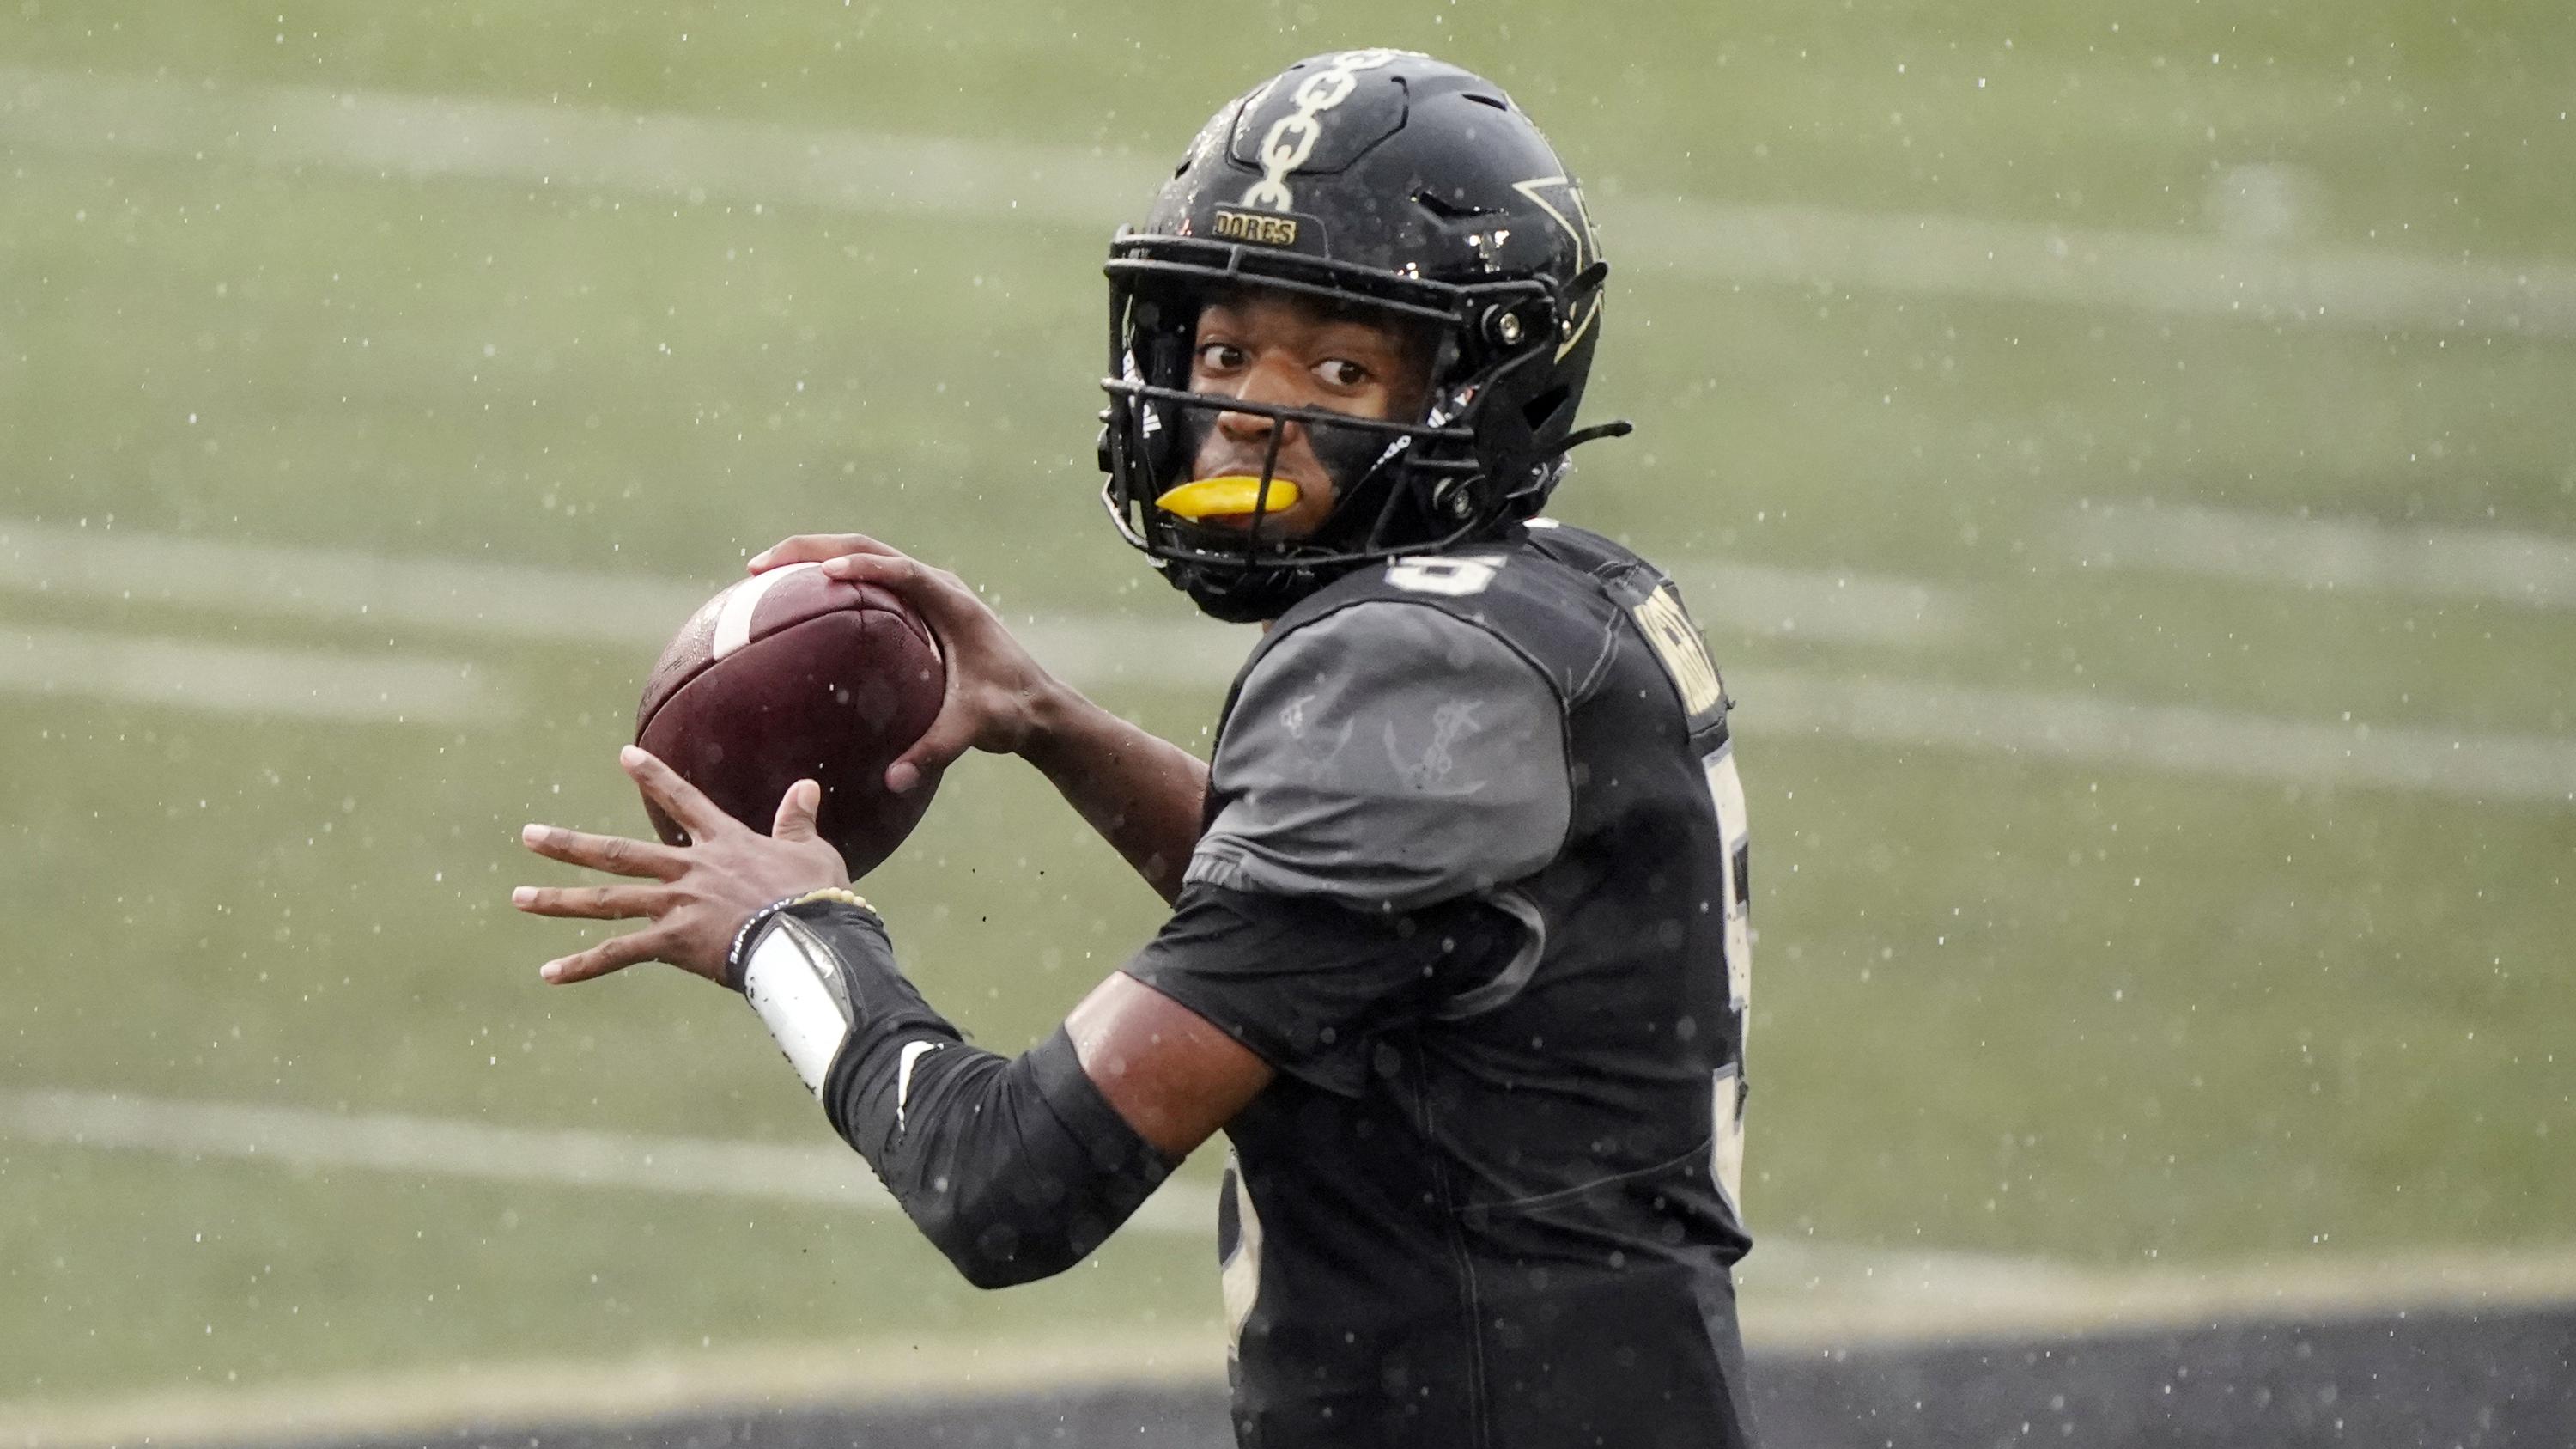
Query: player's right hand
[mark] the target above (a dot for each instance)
(997, 694)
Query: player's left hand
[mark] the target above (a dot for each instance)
(698, 895)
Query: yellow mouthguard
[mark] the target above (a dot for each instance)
(1227, 498)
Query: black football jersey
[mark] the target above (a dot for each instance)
(1475, 883)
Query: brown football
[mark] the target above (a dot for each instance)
(793, 675)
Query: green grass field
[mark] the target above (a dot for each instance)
(2078, 1010)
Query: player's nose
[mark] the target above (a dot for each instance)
(1274, 384)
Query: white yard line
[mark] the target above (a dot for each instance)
(318, 685)
(1756, 600)
(1963, 256)
(1170, 651)
(349, 586)
(343, 586)
(1964, 1297)
(820, 1175)
(1810, 1285)
(823, 1174)
(618, 1386)
(1836, 606)
(1797, 1295)
(570, 148)
(2530, 570)
(695, 159)
(2125, 736)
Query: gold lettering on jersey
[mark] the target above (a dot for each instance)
(1270, 231)
(1239, 1275)
(1679, 646)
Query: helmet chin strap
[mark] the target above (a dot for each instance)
(1348, 455)
(1267, 586)
(1240, 571)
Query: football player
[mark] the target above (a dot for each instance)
(1457, 957)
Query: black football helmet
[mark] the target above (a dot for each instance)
(1400, 188)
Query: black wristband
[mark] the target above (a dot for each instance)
(739, 953)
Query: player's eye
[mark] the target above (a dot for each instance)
(1220, 357)
(1341, 372)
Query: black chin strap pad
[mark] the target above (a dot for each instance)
(1349, 453)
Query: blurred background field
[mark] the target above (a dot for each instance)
(2121, 455)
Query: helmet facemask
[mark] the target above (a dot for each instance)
(1381, 180)
(1401, 485)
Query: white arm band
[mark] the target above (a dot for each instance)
(792, 980)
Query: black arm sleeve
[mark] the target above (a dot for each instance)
(1015, 1168)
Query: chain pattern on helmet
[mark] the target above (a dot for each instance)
(1291, 139)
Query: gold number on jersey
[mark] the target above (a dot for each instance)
(1726, 1143)
(1453, 578)
(1239, 1272)
(1726, 793)
(1726, 1138)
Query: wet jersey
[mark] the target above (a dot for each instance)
(1474, 883)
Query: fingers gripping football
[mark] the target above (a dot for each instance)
(699, 894)
(996, 693)
(813, 548)
(679, 799)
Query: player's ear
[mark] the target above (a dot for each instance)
(796, 811)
